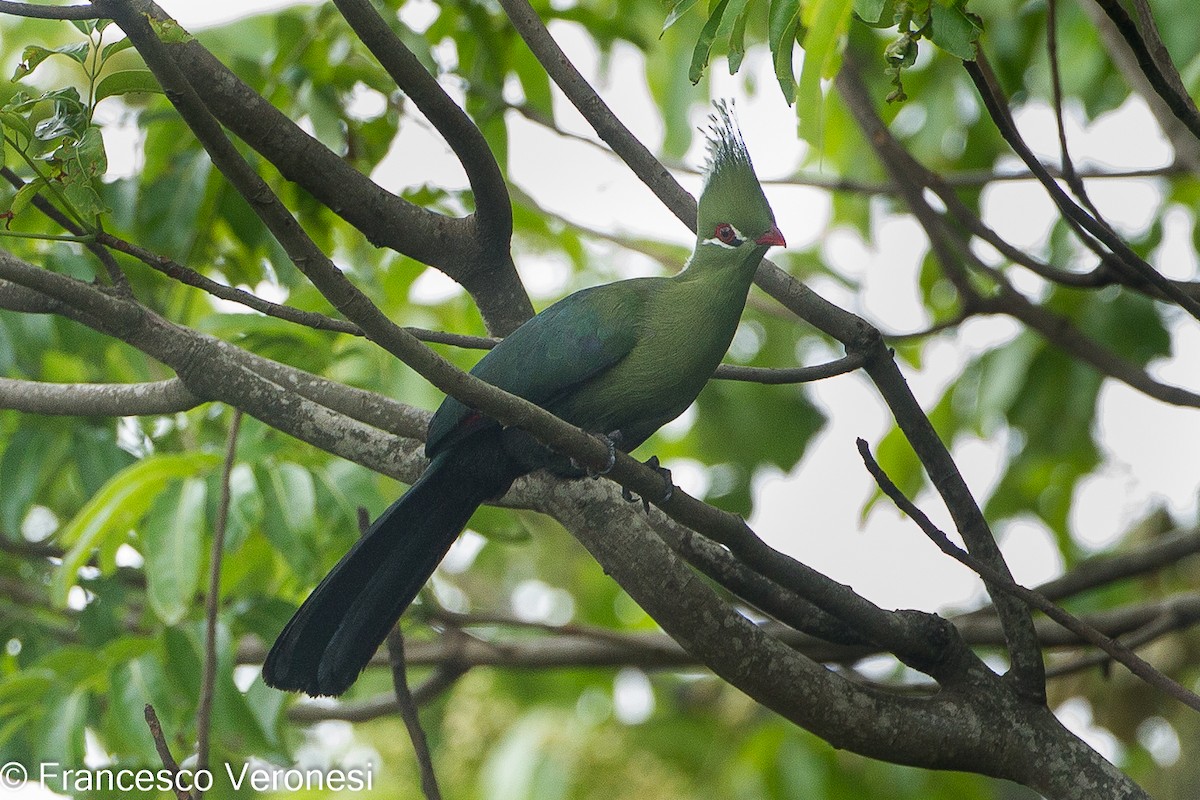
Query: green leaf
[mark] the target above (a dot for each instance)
(172, 535)
(245, 506)
(735, 12)
(34, 55)
(86, 157)
(1000, 380)
(111, 50)
(954, 30)
(737, 43)
(69, 119)
(88, 26)
(31, 58)
(134, 683)
(705, 42)
(781, 35)
(63, 734)
(119, 504)
(826, 22)
(29, 460)
(289, 504)
(127, 81)
(84, 199)
(681, 8)
(871, 11)
(25, 195)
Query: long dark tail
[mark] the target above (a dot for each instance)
(342, 623)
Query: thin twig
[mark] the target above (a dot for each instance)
(176, 271)
(997, 107)
(1155, 629)
(782, 375)
(115, 275)
(212, 601)
(608, 127)
(408, 712)
(1068, 166)
(1117, 651)
(164, 752)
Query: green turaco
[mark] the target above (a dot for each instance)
(619, 360)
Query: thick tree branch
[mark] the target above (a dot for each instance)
(1155, 62)
(493, 208)
(214, 370)
(1183, 142)
(36, 11)
(96, 399)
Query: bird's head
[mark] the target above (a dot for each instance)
(733, 212)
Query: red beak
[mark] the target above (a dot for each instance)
(772, 238)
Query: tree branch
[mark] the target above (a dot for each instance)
(1132, 661)
(96, 399)
(47, 208)
(164, 751)
(48, 12)
(1024, 653)
(781, 375)
(1128, 260)
(493, 209)
(212, 601)
(406, 705)
(450, 244)
(1159, 70)
(1185, 145)
(614, 133)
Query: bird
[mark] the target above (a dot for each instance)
(619, 360)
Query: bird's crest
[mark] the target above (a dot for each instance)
(726, 148)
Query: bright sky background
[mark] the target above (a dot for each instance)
(814, 513)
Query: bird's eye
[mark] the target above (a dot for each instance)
(727, 234)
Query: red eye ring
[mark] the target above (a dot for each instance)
(726, 233)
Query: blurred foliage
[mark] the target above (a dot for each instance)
(129, 502)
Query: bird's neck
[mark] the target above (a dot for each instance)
(714, 268)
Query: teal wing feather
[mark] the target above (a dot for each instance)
(566, 345)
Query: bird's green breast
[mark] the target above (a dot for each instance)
(684, 327)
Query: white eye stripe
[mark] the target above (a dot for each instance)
(717, 241)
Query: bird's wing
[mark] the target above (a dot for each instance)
(569, 343)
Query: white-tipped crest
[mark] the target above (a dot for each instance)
(726, 147)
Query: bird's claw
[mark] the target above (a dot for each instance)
(668, 485)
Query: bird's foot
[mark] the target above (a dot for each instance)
(611, 440)
(668, 485)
